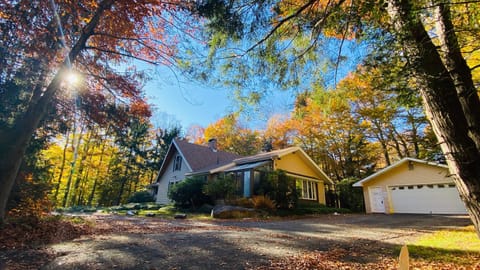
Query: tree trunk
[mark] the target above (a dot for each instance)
(442, 104)
(458, 69)
(73, 164)
(78, 180)
(97, 174)
(14, 141)
(62, 168)
(414, 133)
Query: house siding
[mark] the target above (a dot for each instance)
(321, 192)
(421, 174)
(168, 176)
(293, 163)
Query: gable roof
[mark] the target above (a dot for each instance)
(262, 158)
(394, 165)
(197, 157)
(266, 156)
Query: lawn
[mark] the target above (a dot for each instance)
(459, 246)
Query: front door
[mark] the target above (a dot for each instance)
(377, 200)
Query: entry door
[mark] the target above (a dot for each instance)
(377, 200)
(246, 184)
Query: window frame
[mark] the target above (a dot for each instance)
(308, 188)
(177, 163)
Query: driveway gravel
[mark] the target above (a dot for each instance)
(150, 243)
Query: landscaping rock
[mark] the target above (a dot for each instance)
(229, 211)
(132, 213)
(180, 216)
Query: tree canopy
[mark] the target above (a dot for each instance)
(289, 42)
(42, 42)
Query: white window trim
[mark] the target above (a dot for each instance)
(311, 183)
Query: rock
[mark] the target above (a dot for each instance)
(132, 213)
(180, 216)
(229, 211)
(149, 214)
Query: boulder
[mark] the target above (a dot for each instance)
(132, 213)
(229, 211)
(180, 216)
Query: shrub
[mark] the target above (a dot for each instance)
(243, 202)
(189, 193)
(350, 197)
(220, 188)
(263, 202)
(141, 197)
(280, 188)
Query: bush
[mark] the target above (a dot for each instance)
(141, 197)
(263, 202)
(243, 202)
(350, 197)
(220, 188)
(189, 193)
(303, 210)
(280, 188)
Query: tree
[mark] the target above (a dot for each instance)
(233, 137)
(95, 39)
(285, 36)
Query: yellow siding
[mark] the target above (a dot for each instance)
(321, 193)
(294, 163)
(421, 174)
(366, 198)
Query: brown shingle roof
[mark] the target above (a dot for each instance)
(202, 158)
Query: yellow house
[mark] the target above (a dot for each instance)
(310, 179)
(186, 159)
(411, 186)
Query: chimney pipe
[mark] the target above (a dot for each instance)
(212, 144)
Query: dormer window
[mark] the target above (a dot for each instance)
(177, 163)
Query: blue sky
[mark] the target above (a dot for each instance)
(192, 103)
(182, 100)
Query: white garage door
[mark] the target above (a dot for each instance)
(426, 199)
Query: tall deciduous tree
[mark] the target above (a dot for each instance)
(233, 137)
(285, 35)
(95, 38)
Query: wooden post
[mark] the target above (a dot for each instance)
(403, 260)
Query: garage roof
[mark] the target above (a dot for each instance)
(394, 165)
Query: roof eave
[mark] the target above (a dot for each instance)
(396, 164)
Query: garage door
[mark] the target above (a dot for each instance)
(426, 199)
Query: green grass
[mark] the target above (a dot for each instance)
(451, 246)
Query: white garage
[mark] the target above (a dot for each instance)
(412, 186)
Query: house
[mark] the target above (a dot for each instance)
(411, 186)
(197, 160)
(184, 159)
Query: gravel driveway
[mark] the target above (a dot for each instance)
(188, 244)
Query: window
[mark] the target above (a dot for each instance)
(308, 189)
(177, 163)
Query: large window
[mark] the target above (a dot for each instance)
(308, 189)
(177, 163)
